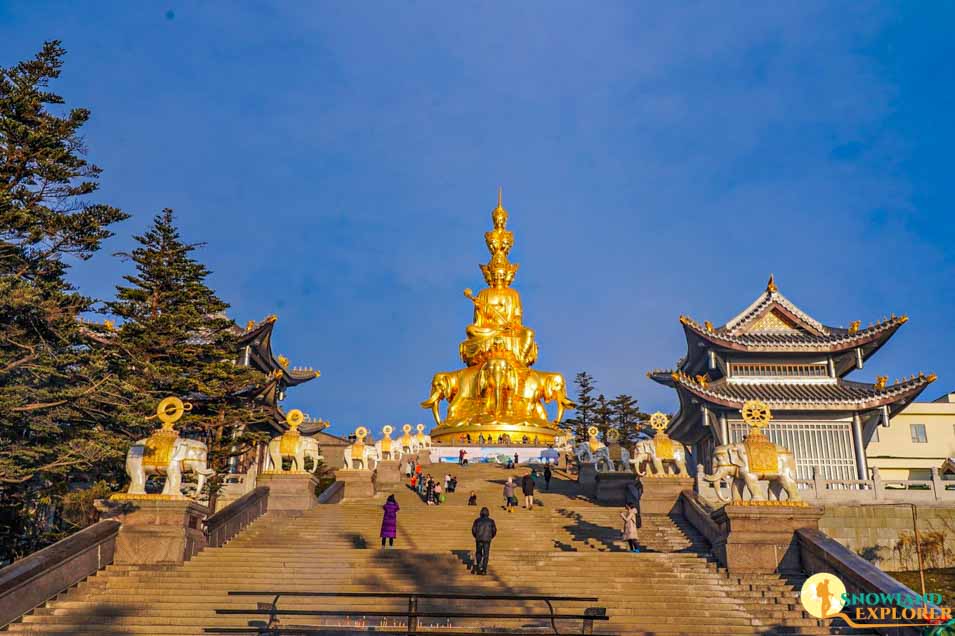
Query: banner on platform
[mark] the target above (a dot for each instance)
(494, 454)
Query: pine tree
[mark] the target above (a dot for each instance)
(55, 388)
(603, 415)
(626, 416)
(584, 411)
(177, 340)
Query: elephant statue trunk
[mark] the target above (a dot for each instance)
(722, 474)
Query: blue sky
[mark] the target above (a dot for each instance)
(341, 160)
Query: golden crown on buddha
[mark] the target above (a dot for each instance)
(497, 393)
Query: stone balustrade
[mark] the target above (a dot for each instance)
(860, 491)
(820, 553)
(31, 581)
(227, 523)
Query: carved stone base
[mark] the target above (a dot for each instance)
(290, 491)
(587, 477)
(387, 473)
(660, 494)
(424, 456)
(155, 530)
(358, 484)
(762, 538)
(612, 487)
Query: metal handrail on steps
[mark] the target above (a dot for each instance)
(411, 616)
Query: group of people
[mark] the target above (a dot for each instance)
(431, 490)
(502, 439)
(484, 529)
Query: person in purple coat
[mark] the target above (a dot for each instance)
(389, 523)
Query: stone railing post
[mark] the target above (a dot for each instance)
(876, 483)
(699, 479)
(938, 486)
(818, 483)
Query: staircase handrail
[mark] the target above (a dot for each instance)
(411, 615)
(31, 581)
(333, 494)
(819, 552)
(228, 522)
(699, 515)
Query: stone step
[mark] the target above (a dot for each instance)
(566, 546)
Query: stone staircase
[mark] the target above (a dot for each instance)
(568, 546)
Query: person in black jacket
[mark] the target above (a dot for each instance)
(484, 530)
(527, 485)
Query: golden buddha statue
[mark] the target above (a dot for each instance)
(497, 393)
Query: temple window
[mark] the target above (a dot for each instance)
(918, 433)
(761, 370)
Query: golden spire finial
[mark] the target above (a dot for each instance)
(499, 272)
(771, 285)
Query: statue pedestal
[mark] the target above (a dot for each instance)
(357, 484)
(424, 456)
(612, 487)
(660, 494)
(290, 491)
(587, 477)
(762, 538)
(387, 473)
(155, 528)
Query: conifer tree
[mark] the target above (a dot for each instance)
(603, 415)
(56, 393)
(626, 415)
(584, 411)
(177, 340)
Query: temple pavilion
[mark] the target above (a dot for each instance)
(775, 352)
(255, 350)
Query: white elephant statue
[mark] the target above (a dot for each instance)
(658, 457)
(305, 447)
(583, 454)
(732, 463)
(394, 450)
(422, 440)
(171, 457)
(600, 457)
(622, 464)
(364, 457)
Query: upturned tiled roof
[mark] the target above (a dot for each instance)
(835, 338)
(258, 336)
(832, 395)
(773, 323)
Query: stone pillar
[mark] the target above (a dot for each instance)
(862, 468)
(611, 488)
(290, 491)
(587, 477)
(661, 494)
(387, 473)
(155, 528)
(358, 484)
(424, 456)
(762, 539)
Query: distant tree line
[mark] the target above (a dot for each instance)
(621, 413)
(74, 392)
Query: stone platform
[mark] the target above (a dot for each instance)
(156, 529)
(290, 491)
(761, 538)
(660, 494)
